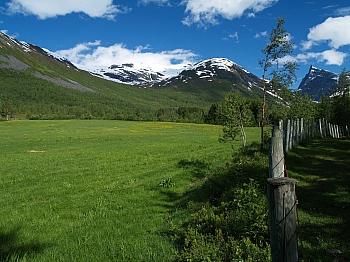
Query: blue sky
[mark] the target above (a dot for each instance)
(171, 33)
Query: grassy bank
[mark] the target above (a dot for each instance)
(99, 190)
(322, 168)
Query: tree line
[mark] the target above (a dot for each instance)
(234, 112)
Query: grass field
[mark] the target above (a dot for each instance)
(322, 168)
(98, 190)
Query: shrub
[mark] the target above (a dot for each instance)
(235, 230)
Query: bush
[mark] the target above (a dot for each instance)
(235, 230)
(234, 227)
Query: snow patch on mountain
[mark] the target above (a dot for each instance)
(219, 63)
(219, 68)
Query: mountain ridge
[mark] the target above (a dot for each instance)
(35, 84)
(318, 82)
(33, 77)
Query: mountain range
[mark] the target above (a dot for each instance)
(36, 83)
(34, 78)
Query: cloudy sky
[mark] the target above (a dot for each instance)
(170, 33)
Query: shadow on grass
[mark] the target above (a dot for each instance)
(249, 163)
(211, 185)
(322, 167)
(12, 249)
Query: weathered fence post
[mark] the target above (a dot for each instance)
(286, 135)
(297, 131)
(282, 203)
(331, 130)
(302, 129)
(337, 132)
(293, 133)
(276, 155)
(320, 127)
(282, 214)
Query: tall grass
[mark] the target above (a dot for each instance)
(91, 190)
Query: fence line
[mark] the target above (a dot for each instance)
(296, 130)
(281, 188)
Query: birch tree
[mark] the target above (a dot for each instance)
(234, 114)
(279, 46)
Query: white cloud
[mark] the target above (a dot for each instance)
(234, 36)
(306, 45)
(206, 12)
(330, 57)
(261, 34)
(91, 56)
(158, 2)
(343, 11)
(333, 57)
(334, 31)
(51, 8)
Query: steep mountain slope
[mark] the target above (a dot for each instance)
(317, 82)
(35, 83)
(215, 74)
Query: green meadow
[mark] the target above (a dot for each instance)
(99, 190)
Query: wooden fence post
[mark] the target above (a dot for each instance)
(291, 133)
(294, 131)
(331, 130)
(320, 127)
(297, 131)
(337, 132)
(286, 135)
(276, 155)
(282, 215)
(302, 129)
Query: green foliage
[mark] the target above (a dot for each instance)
(234, 227)
(279, 46)
(181, 114)
(166, 183)
(341, 110)
(343, 88)
(341, 100)
(336, 109)
(324, 108)
(302, 106)
(234, 114)
(212, 117)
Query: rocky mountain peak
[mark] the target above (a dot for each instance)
(220, 68)
(317, 82)
(128, 74)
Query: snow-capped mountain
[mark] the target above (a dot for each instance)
(128, 74)
(216, 68)
(317, 82)
(221, 68)
(27, 47)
